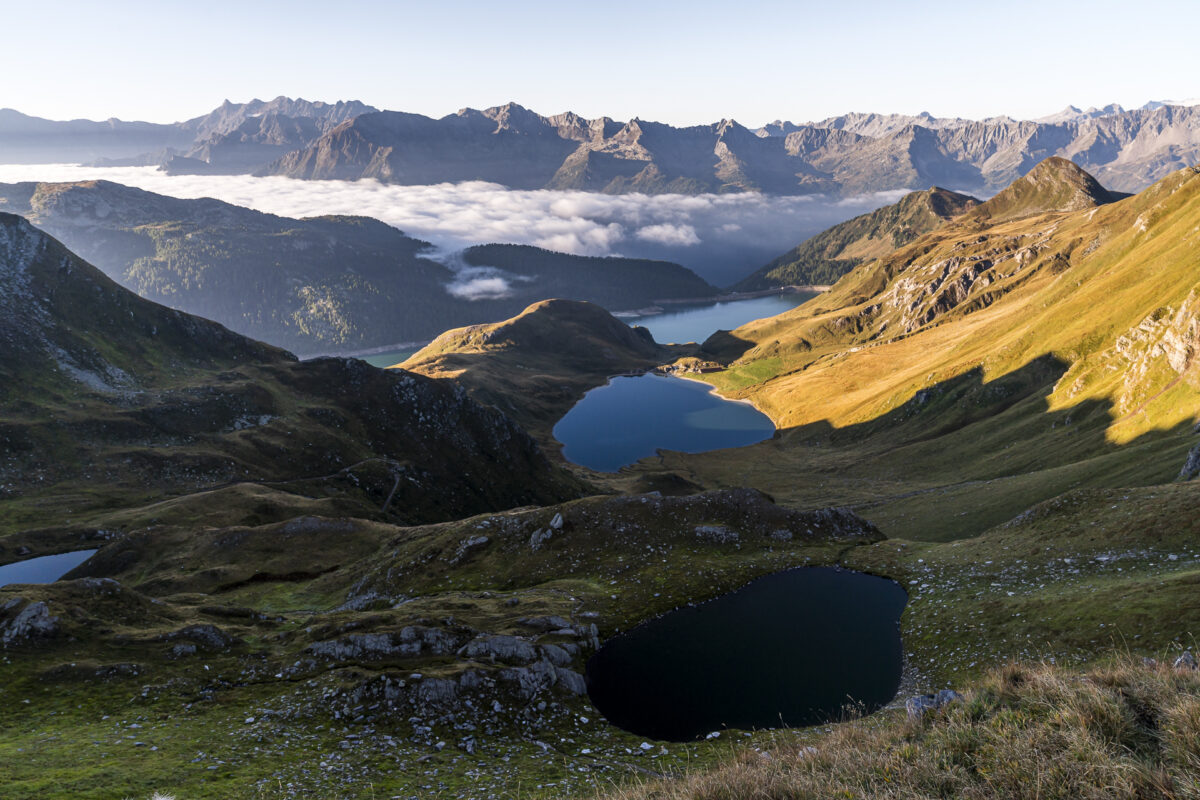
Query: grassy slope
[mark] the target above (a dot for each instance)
(1026, 731)
(1049, 372)
(260, 716)
(998, 593)
(829, 255)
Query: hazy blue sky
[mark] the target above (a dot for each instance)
(678, 62)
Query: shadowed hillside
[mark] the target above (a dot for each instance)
(109, 400)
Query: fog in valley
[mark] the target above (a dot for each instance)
(723, 237)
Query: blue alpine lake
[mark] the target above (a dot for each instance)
(633, 417)
(46, 569)
(695, 323)
(800, 647)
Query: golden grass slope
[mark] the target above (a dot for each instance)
(1110, 291)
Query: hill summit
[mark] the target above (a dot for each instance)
(831, 254)
(1055, 184)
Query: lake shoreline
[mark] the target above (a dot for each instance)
(731, 297)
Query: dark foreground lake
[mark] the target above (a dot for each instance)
(790, 649)
(695, 323)
(633, 417)
(46, 569)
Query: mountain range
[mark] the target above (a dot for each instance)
(232, 138)
(850, 155)
(847, 155)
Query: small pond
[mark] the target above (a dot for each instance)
(633, 417)
(790, 649)
(46, 569)
(695, 323)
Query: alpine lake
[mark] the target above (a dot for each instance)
(800, 647)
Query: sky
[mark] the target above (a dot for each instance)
(677, 62)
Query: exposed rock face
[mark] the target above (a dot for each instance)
(1191, 465)
(410, 641)
(505, 649)
(853, 154)
(1168, 335)
(233, 138)
(23, 622)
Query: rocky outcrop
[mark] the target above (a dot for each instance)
(206, 636)
(410, 641)
(919, 705)
(22, 622)
(1168, 336)
(718, 534)
(1191, 465)
(503, 649)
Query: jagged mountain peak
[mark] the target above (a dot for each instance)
(1055, 184)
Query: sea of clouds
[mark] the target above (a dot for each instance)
(723, 237)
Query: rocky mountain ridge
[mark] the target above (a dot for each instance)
(846, 155)
(233, 138)
(849, 155)
(829, 255)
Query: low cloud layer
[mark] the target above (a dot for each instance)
(721, 236)
(480, 283)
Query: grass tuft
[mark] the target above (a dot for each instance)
(1124, 729)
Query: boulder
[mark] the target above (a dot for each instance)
(571, 681)
(32, 621)
(555, 655)
(436, 692)
(410, 641)
(918, 705)
(1191, 465)
(505, 649)
(207, 636)
(1186, 661)
(550, 623)
(531, 681)
(539, 538)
